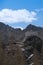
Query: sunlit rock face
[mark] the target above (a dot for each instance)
(32, 44)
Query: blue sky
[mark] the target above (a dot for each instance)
(20, 13)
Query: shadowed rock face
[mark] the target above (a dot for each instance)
(35, 42)
(30, 44)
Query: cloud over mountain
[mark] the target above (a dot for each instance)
(14, 16)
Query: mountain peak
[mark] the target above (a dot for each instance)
(30, 26)
(33, 27)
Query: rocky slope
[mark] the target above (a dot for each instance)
(8, 33)
(11, 54)
(34, 30)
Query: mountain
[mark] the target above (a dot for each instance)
(9, 34)
(13, 51)
(10, 53)
(33, 27)
(33, 30)
(33, 44)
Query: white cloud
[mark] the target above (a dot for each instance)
(14, 16)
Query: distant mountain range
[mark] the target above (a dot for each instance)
(9, 34)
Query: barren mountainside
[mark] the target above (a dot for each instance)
(10, 41)
(10, 34)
